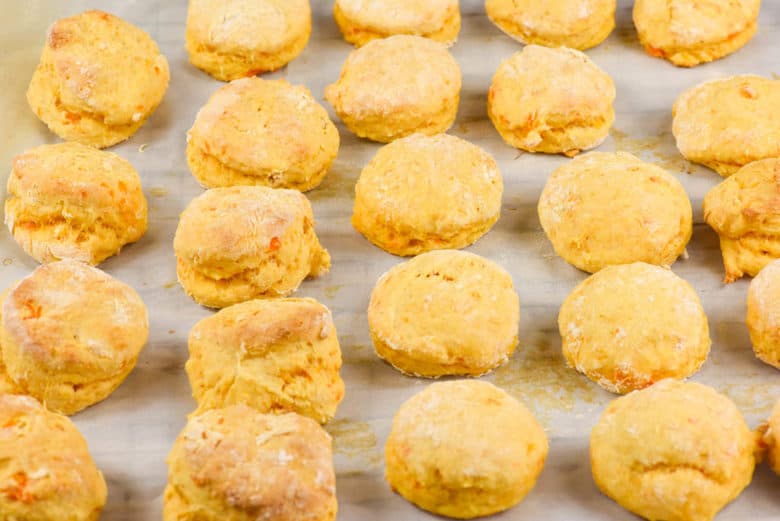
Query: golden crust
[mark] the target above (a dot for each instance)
(361, 21)
(464, 449)
(602, 209)
(631, 325)
(260, 132)
(233, 39)
(763, 321)
(744, 210)
(578, 24)
(674, 451)
(47, 472)
(244, 242)
(551, 100)
(404, 196)
(725, 124)
(444, 313)
(72, 201)
(396, 86)
(236, 464)
(273, 355)
(688, 32)
(71, 334)
(99, 79)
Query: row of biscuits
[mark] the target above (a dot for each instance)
(202, 452)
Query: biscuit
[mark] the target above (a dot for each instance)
(602, 209)
(279, 355)
(690, 32)
(47, 472)
(728, 123)
(743, 211)
(770, 438)
(70, 201)
(444, 313)
(98, 80)
(579, 24)
(396, 86)
(763, 319)
(555, 101)
(232, 39)
(674, 451)
(361, 21)
(423, 193)
(464, 449)
(262, 132)
(631, 325)
(236, 464)
(70, 334)
(244, 242)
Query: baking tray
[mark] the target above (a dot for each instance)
(131, 432)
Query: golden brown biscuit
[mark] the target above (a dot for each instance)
(47, 472)
(273, 355)
(770, 438)
(763, 319)
(70, 334)
(423, 193)
(233, 39)
(555, 101)
(70, 201)
(743, 211)
(99, 79)
(690, 32)
(579, 24)
(444, 313)
(629, 326)
(236, 464)
(728, 123)
(261, 132)
(464, 449)
(361, 21)
(602, 209)
(396, 86)
(674, 451)
(244, 242)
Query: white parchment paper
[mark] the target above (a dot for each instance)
(131, 432)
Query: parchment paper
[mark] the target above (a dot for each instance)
(131, 432)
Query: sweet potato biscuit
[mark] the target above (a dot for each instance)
(579, 24)
(396, 86)
(98, 80)
(674, 451)
(70, 201)
(770, 438)
(361, 21)
(232, 39)
(602, 209)
(464, 449)
(262, 132)
(690, 32)
(276, 355)
(763, 318)
(70, 334)
(743, 211)
(629, 326)
(47, 472)
(423, 193)
(236, 464)
(728, 123)
(245, 242)
(555, 101)
(443, 313)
